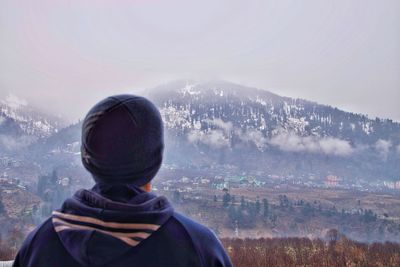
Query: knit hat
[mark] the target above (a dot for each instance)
(122, 140)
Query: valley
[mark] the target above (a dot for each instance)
(245, 162)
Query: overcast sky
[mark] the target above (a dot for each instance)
(66, 55)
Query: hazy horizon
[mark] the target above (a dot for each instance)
(64, 57)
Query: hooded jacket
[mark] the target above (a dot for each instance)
(120, 225)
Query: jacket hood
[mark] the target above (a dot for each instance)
(99, 225)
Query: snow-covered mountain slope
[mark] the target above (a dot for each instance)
(203, 106)
(21, 124)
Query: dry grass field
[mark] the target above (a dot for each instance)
(293, 252)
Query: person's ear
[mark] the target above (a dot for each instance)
(147, 187)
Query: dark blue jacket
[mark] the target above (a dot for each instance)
(120, 226)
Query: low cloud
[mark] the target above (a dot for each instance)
(220, 137)
(217, 138)
(253, 136)
(14, 143)
(213, 138)
(222, 132)
(227, 127)
(326, 145)
(383, 148)
(14, 101)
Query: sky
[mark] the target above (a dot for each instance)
(64, 56)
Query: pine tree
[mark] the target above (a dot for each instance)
(233, 200)
(54, 177)
(226, 199)
(242, 203)
(2, 209)
(41, 185)
(232, 213)
(177, 196)
(266, 207)
(258, 205)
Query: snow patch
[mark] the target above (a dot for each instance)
(174, 117)
(297, 124)
(261, 101)
(367, 128)
(190, 89)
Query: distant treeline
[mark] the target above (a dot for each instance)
(335, 251)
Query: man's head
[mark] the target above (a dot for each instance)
(122, 140)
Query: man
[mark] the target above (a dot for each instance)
(119, 222)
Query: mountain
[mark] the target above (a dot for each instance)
(225, 123)
(260, 110)
(22, 124)
(226, 126)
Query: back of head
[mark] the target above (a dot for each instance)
(122, 140)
